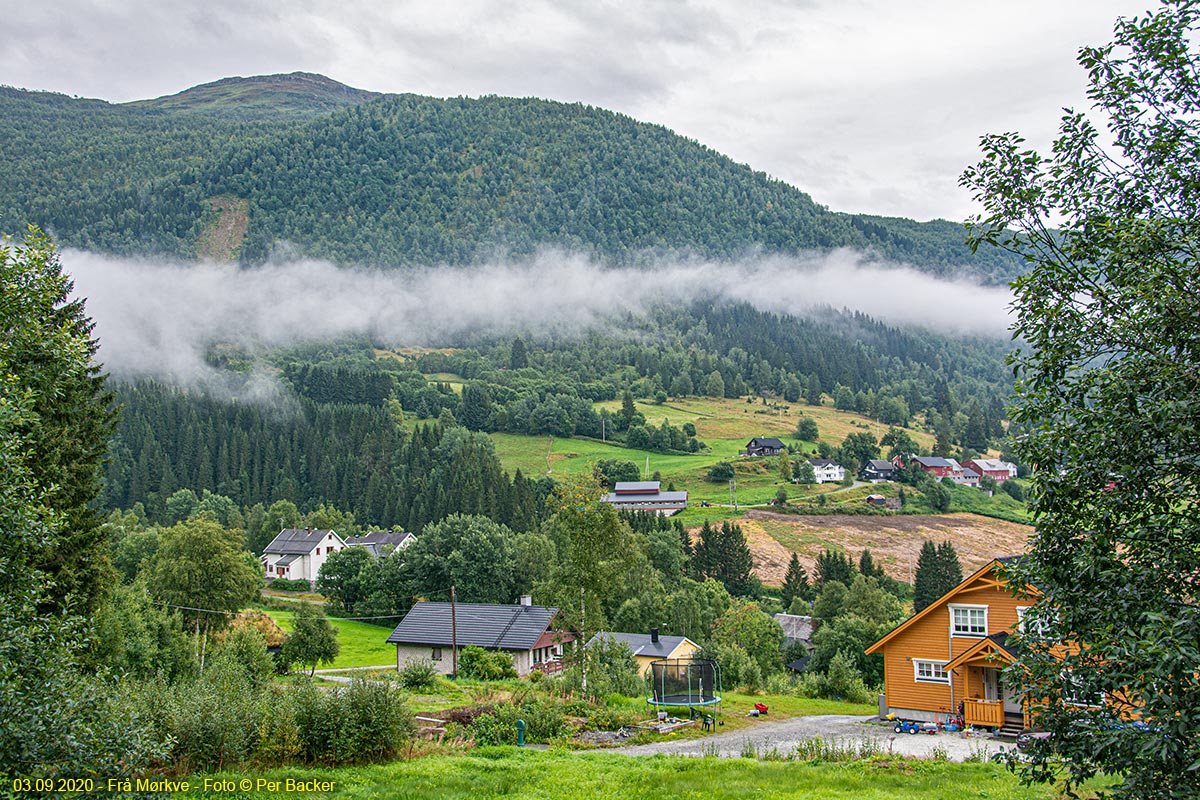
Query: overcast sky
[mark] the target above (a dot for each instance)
(868, 105)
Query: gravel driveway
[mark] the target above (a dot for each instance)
(782, 737)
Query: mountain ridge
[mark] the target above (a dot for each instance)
(329, 171)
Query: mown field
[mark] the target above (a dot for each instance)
(362, 644)
(507, 772)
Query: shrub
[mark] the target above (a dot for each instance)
(485, 665)
(545, 719)
(419, 674)
(1013, 490)
(285, 585)
(720, 472)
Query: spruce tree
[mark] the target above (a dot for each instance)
(949, 570)
(867, 566)
(926, 581)
(834, 566)
(795, 583)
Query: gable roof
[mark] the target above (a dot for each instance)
(933, 461)
(375, 541)
(797, 627)
(824, 462)
(767, 441)
(298, 541)
(649, 487)
(985, 576)
(991, 464)
(879, 465)
(990, 648)
(641, 645)
(481, 624)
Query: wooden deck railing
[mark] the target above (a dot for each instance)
(986, 713)
(550, 667)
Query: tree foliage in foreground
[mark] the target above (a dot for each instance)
(56, 721)
(1108, 394)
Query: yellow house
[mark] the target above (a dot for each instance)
(952, 654)
(650, 647)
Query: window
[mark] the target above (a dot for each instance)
(968, 620)
(930, 671)
(436, 655)
(1042, 627)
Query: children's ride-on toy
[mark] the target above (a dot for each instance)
(907, 726)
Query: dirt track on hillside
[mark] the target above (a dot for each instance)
(893, 540)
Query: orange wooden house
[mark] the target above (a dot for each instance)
(953, 652)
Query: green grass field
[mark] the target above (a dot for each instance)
(497, 772)
(362, 645)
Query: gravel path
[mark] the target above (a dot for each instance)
(782, 737)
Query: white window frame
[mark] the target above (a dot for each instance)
(1078, 696)
(968, 632)
(935, 666)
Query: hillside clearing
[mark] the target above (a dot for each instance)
(895, 540)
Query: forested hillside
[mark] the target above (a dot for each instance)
(345, 435)
(405, 179)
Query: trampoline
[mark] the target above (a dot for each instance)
(685, 683)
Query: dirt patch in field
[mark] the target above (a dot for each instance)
(893, 540)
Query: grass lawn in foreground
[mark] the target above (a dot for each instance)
(362, 645)
(508, 772)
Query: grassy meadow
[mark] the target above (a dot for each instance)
(362, 644)
(495, 772)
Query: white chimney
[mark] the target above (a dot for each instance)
(526, 600)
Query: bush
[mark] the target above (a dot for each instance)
(843, 681)
(285, 585)
(1013, 490)
(544, 720)
(720, 472)
(221, 721)
(485, 665)
(419, 674)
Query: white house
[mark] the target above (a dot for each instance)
(298, 553)
(827, 471)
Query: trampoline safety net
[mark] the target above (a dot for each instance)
(685, 682)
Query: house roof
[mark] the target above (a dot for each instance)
(297, 541)
(651, 497)
(650, 487)
(285, 560)
(991, 464)
(989, 649)
(500, 627)
(796, 627)
(969, 473)
(932, 461)
(640, 644)
(879, 465)
(375, 541)
(977, 580)
(823, 462)
(767, 441)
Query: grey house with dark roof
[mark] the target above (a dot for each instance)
(382, 543)
(525, 632)
(298, 553)
(764, 446)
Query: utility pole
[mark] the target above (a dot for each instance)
(453, 638)
(583, 636)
